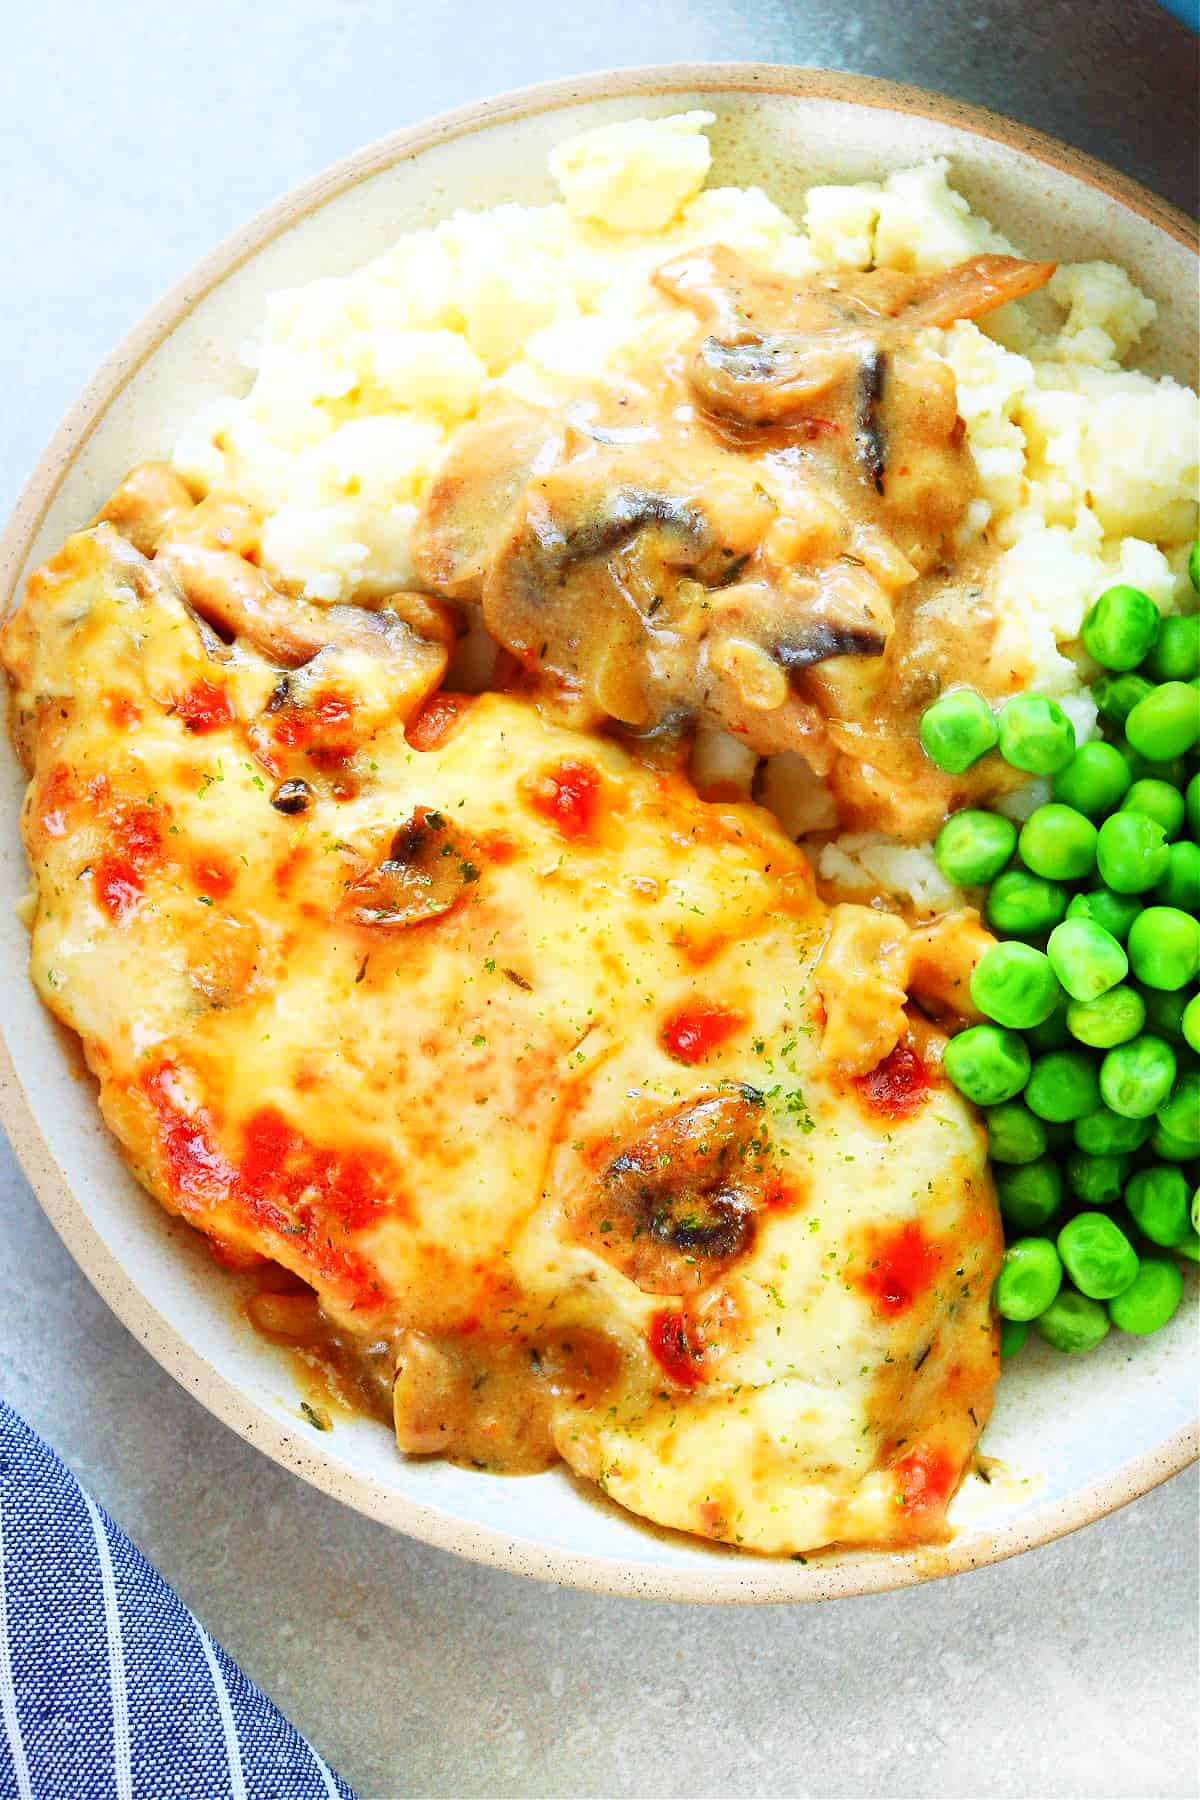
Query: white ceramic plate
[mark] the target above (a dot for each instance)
(1077, 1440)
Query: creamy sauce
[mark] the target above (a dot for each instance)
(482, 1397)
(758, 530)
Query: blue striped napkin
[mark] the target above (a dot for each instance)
(109, 1686)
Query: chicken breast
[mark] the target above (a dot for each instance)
(513, 1051)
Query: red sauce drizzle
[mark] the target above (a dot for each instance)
(118, 887)
(433, 724)
(204, 706)
(569, 797)
(117, 877)
(675, 1351)
(497, 847)
(904, 1264)
(781, 1196)
(690, 1034)
(325, 728)
(278, 1165)
(898, 1086)
(122, 711)
(925, 1479)
(212, 877)
(58, 795)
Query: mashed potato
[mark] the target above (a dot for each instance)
(1088, 472)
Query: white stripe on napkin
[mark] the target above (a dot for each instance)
(237, 1781)
(8, 1691)
(326, 1775)
(116, 1654)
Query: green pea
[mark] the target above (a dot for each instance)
(1112, 1018)
(1157, 1200)
(1176, 655)
(1136, 1078)
(1052, 1033)
(1144, 768)
(1190, 1023)
(1158, 800)
(1115, 912)
(1190, 1247)
(1164, 724)
(1058, 843)
(1024, 906)
(1063, 1087)
(1120, 629)
(1086, 959)
(1194, 577)
(1097, 1255)
(1179, 1114)
(957, 730)
(1106, 1133)
(1014, 985)
(1014, 1134)
(1164, 1011)
(1030, 1195)
(1117, 695)
(1036, 735)
(1073, 1324)
(1164, 947)
(973, 846)
(1151, 1298)
(1096, 1180)
(1030, 1276)
(1013, 1333)
(1131, 851)
(1172, 1149)
(1191, 801)
(1180, 886)
(1094, 780)
(986, 1064)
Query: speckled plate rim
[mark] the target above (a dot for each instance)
(728, 1577)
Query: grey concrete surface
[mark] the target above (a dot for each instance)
(132, 137)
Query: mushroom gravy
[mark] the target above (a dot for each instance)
(759, 530)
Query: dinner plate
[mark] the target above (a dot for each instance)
(1070, 1440)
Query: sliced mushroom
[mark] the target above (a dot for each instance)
(149, 500)
(870, 441)
(425, 874)
(763, 379)
(803, 620)
(208, 550)
(677, 1205)
(781, 352)
(235, 597)
(972, 289)
(595, 550)
(470, 504)
(779, 344)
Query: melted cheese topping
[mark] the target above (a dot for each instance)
(510, 1048)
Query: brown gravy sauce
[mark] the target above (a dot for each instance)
(757, 528)
(482, 1399)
